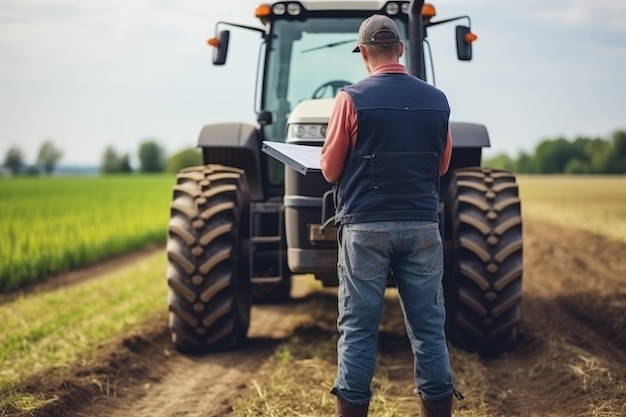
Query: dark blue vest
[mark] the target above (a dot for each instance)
(393, 172)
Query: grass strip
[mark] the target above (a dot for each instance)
(53, 329)
(297, 379)
(285, 393)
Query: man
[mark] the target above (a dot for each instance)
(386, 145)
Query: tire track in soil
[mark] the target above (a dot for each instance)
(198, 386)
(205, 385)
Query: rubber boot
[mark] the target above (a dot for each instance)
(344, 409)
(438, 408)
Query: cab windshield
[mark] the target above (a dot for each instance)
(309, 59)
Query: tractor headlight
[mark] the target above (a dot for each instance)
(306, 132)
(405, 8)
(294, 9)
(392, 8)
(279, 9)
(283, 9)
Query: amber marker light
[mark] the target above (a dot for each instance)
(214, 42)
(428, 10)
(263, 10)
(470, 37)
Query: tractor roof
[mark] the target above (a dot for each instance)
(292, 9)
(344, 4)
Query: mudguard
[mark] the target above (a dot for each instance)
(237, 145)
(469, 135)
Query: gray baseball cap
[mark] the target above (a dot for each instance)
(375, 25)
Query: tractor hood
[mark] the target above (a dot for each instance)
(312, 111)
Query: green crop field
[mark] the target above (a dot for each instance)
(48, 225)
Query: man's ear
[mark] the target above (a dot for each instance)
(401, 49)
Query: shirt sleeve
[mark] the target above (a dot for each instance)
(340, 136)
(446, 155)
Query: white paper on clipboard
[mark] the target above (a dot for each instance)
(302, 158)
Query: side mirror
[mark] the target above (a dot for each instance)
(464, 39)
(221, 49)
(264, 117)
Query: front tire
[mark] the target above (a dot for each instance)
(209, 292)
(483, 280)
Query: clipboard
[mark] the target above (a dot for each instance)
(302, 158)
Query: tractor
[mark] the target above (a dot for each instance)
(243, 224)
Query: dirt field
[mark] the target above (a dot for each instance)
(570, 360)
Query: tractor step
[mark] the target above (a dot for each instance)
(262, 213)
(265, 280)
(265, 239)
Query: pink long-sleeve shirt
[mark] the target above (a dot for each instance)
(343, 128)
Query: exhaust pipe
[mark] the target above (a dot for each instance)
(417, 65)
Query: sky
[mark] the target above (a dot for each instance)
(91, 74)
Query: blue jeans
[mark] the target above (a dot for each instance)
(414, 252)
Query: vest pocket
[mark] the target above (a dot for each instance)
(404, 174)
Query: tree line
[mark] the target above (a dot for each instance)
(151, 157)
(582, 155)
(47, 159)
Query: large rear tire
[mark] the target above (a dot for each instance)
(209, 292)
(483, 280)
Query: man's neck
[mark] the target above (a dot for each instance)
(395, 67)
(373, 64)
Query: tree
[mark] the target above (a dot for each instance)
(576, 166)
(110, 161)
(48, 157)
(186, 158)
(600, 156)
(552, 156)
(151, 157)
(14, 160)
(597, 154)
(500, 161)
(124, 166)
(619, 152)
(525, 163)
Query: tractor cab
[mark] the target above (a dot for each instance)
(307, 55)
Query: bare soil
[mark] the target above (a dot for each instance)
(570, 359)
